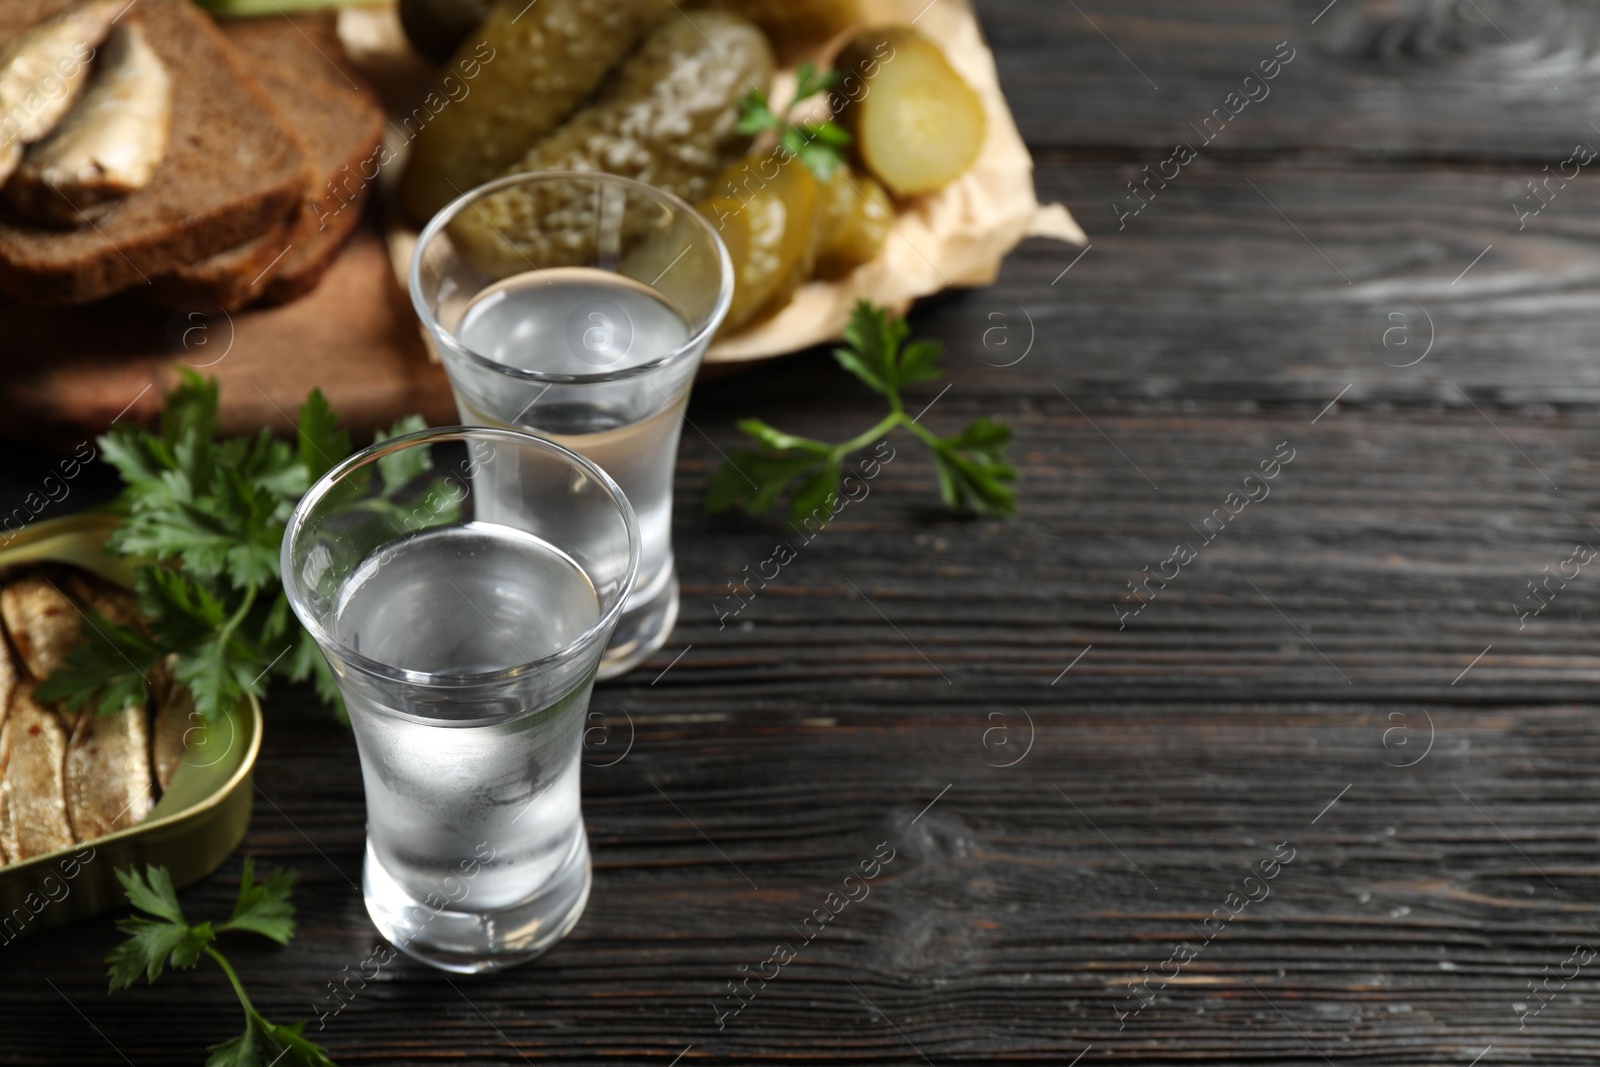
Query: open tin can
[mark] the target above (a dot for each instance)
(195, 825)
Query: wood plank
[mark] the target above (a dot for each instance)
(1431, 882)
(354, 337)
(1389, 79)
(1400, 545)
(1007, 923)
(1318, 278)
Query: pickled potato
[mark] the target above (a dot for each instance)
(856, 215)
(766, 210)
(668, 118)
(510, 82)
(796, 26)
(916, 124)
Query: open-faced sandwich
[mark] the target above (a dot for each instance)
(145, 147)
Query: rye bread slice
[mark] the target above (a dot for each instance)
(341, 121)
(233, 171)
(341, 130)
(307, 43)
(228, 280)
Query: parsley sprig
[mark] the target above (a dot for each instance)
(167, 939)
(973, 472)
(820, 145)
(205, 519)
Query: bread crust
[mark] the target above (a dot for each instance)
(234, 170)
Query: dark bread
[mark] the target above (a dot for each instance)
(307, 43)
(303, 65)
(233, 171)
(228, 280)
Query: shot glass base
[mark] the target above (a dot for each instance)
(646, 623)
(474, 942)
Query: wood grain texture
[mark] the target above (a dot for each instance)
(1373, 79)
(1342, 668)
(116, 358)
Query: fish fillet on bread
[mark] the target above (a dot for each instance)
(233, 169)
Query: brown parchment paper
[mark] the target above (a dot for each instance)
(955, 237)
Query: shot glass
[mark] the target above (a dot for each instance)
(577, 306)
(463, 583)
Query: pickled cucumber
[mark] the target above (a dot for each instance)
(512, 81)
(856, 216)
(796, 26)
(766, 210)
(669, 118)
(917, 125)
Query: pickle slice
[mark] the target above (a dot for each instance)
(509, 83)
(766, 211)
(669, 118)
(856, 216)
(917, 125)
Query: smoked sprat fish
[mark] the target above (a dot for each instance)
(169, 734)
(108, 772)
(69, 778)
(33, 806)
(43, 71)
(110, 143)
(42, 622)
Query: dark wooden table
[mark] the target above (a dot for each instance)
(1342, 674)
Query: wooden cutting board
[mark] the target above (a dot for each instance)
(67, 373)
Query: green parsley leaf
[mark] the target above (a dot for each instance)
(809, 81)
(755, 115)
(264, 1044)
(399, 468)
(203, 521)
(919, 362)
(755, 481)
(264, 907)
(168, 940)
(190, 409)
(779, 441)
(818, 145)
(973, 473)
(820, 159)
(322, 443)
(874, 339)
(110, 661)
(154, 943)
(152, 892)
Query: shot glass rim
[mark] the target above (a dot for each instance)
(292, 585)
(447, 338)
